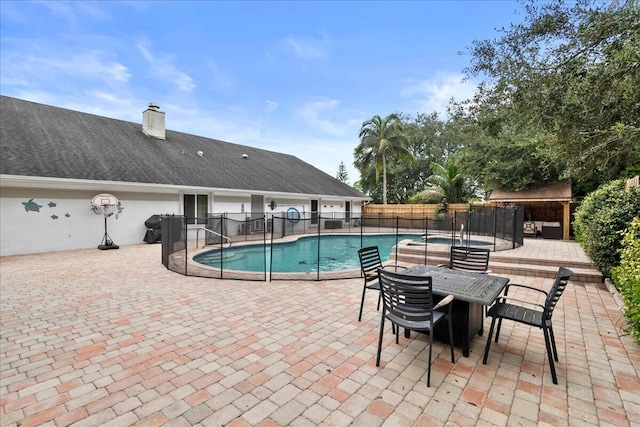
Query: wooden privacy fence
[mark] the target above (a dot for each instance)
(413, 211)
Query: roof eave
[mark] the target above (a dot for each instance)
(22, 181)
(512, 200)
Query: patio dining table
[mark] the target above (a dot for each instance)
(471, 291)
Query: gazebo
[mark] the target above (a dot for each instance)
(539, 196)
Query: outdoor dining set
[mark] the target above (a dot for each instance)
(449, 301)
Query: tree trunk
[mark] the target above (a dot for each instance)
(384, 179)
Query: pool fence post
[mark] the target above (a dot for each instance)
(319, 236)
(264, 249)
(496, 222)
(397, 230)
(186, 241)
(426, 237)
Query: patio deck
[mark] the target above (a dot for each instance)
(95, 337)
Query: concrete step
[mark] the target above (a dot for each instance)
(580, 274)
(500, 263)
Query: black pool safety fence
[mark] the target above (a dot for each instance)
(312, 246)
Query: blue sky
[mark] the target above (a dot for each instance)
(293, 77)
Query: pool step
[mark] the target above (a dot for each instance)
(501, 263)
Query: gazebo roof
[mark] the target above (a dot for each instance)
(557, 192)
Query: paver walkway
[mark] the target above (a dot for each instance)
(93, 338)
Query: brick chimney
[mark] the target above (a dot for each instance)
(153, 122)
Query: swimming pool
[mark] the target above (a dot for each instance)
(337, 252)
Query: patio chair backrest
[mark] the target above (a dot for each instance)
(369, 262)
(408, 297)
(469, 259)
(559, 285)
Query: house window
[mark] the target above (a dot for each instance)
(314, 212)
(195, 208)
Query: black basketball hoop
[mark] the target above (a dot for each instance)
(106, 204)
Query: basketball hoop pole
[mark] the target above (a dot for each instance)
(104, 202)
(106, 243)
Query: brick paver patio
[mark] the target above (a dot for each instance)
(93, 338)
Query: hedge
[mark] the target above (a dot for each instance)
(601, 218)
(627, 277)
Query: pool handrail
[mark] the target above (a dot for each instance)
(228, 239)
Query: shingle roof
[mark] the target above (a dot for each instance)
(556, 192)
(43, 141)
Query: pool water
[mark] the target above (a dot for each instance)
(337, 252)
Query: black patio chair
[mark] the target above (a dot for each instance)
(370, 262)
(538, 315)
(407, 301)
(474, 260)
(471, 259)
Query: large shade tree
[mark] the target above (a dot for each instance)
(380, 140)
(426, 144)
(568, 79)
(511, 158)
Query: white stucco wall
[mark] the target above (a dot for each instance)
(65, 221)
(328, 207)
(230, 204)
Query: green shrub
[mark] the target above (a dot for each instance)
(601, 218)
(627, 277)
(425, 198)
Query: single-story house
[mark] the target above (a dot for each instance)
(54, 161)
(547, 205)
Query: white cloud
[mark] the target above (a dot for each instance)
(162, 67)
(74, 12)
(226, 124)
(145, 52)
(271, 105)
(184, 82)
(40, 97)
(326, 155)
(434, 94)
(220, 79)
(117, 71)
(321, 151)
(13, 80)
(314, 111)
(91, 64)
(109, 97)
(308, 48)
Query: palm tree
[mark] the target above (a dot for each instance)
(378, 138)
(447, 182)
